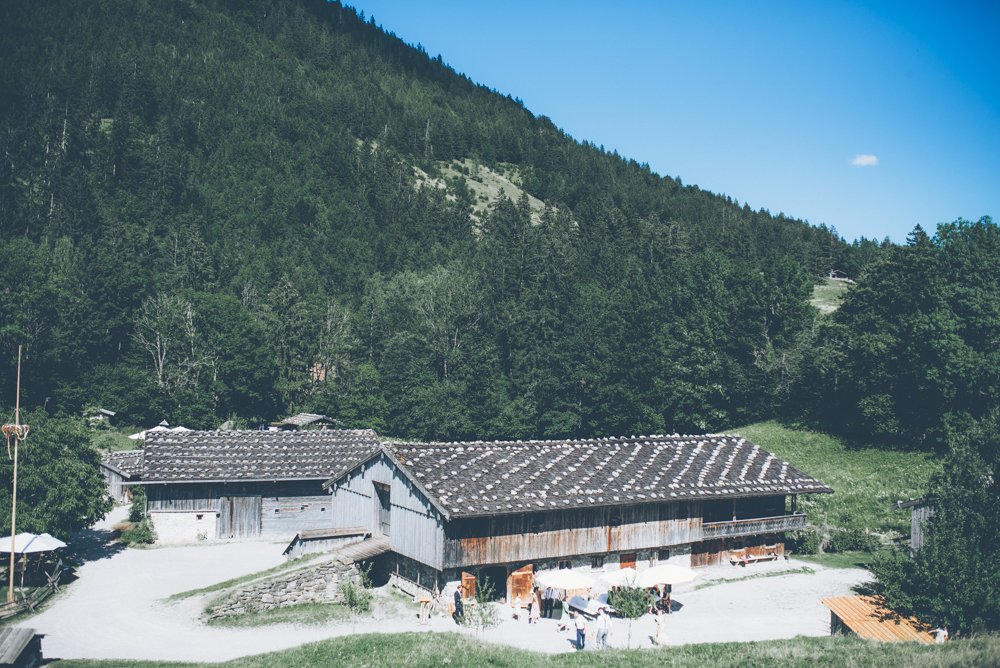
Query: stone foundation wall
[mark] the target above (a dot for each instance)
(318, 583)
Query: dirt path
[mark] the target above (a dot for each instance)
(116, 609)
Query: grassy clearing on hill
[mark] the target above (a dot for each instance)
(442, 649)
(114, 439)
(828, 295)
(866, 481)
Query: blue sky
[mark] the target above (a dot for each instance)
(870, 117)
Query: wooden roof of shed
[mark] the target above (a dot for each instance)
(213, 456)
(480, 478)
(13, 640)
(127, 463)
(869, 618)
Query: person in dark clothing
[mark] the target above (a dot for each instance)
(459, 608)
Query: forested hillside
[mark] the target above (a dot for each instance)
(226, 209)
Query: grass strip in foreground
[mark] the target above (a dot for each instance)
(417, 650)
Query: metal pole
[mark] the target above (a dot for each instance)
(13, 503)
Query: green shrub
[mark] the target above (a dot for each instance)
(356, 596)
(140, 533)
(806, 541)
(853, 540)
(631, 602)
(484, 614)
(137, 511)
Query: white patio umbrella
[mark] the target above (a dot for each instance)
(564, 579)
(29, 543)
(620, 577)
(664, 574)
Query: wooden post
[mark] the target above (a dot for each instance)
(13, 504)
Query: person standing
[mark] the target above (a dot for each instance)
(536, 608)
(581, 630)
(603, 628)
(459, 608)
(547, 602)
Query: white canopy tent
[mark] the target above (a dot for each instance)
(141, 436)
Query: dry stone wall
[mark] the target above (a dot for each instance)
(317, 583)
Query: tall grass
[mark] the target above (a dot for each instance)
(866, 481)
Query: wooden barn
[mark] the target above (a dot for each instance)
(203, 485)
(453, 511)
(119, 469)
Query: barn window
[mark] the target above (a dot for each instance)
(564, 564)
(597, 562)
(199, 516)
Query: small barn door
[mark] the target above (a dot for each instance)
(239, 516)
(627, 560)
(384, 507)
(468, 585)
(519, 583)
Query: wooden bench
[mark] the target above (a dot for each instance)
(743, 558)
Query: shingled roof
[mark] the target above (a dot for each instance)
(203, 456)
(470, 479)
(126, 463)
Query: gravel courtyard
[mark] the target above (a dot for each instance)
(116, 609)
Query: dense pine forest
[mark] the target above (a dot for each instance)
(215, 210)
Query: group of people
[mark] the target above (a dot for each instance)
(544, 603)
(602, 628)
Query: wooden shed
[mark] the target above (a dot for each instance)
(20, 647)
(119, 469)
(921, 511)
(504, 509)
(203, 485)
(869, 618)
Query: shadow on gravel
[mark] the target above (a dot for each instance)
(91, 545)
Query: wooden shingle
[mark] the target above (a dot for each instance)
(490, 478)
(203, 456)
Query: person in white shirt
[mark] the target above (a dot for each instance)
(581, 630)
(603, 628)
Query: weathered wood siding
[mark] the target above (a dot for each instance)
(919, 515)
(525, 537)
(285, 507)
(416, 529)
(117, 488)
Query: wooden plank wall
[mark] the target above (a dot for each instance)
(531, 536)
(416, 528)
(284, 508)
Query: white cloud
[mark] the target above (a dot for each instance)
(865, 160)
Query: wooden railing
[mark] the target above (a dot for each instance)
(756, 525)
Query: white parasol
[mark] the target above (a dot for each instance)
(620, 577)
(29, 543)
(665, 574)
(564, 579)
